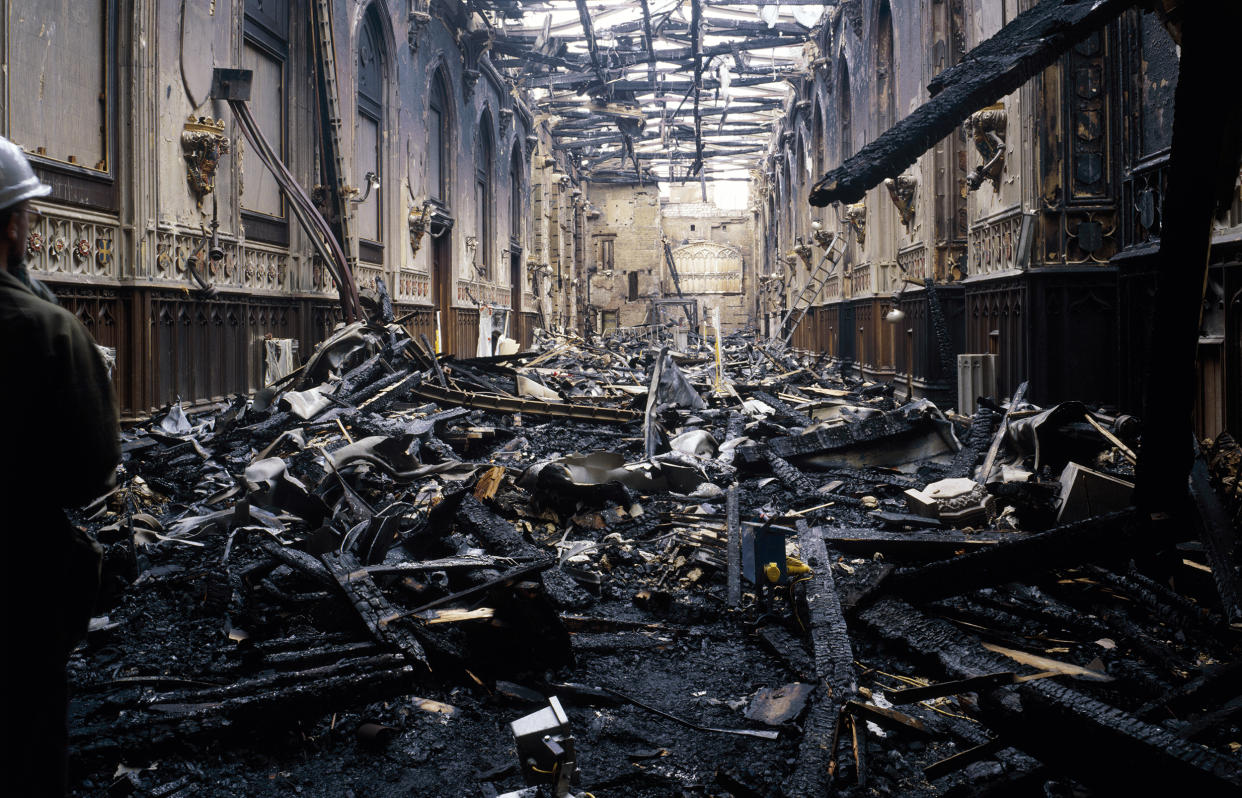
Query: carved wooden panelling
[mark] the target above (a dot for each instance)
(413, 285)
(66, 246)
(912, 262)
(860, 280)
(246, 266)
(994, 243)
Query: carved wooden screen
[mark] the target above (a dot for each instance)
(707, 268)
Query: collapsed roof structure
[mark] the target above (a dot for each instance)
(659, 89)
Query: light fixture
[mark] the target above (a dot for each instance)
(896, 315)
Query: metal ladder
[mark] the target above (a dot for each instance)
(325, 49)
(814, 285)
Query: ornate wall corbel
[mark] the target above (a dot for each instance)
(803, 251)
(473, 44)
(822, 238)
(901, 190)
(418, 221)
(418, 22)
(505, 117)
(986, 129)
(203, 142)
(469, 79)
(856, 217)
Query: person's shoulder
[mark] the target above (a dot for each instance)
(22, 310)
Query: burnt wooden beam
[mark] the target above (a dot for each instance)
(1202, 168)
(913, 695)
(166, 725)
(920, 542)
(671, 86)
(696, 54)
(676, 156)
(998, 66)
(649, 41)
(372, 607)
(1220, 541)
(834, 669)
(1211, 687)
(500, 537)
(828, 439)
(588, 30)
(734, 530)
(1111, 536)
(1094, 742)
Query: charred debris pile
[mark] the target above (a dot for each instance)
(612, 568)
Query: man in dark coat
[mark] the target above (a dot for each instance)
(60, 448)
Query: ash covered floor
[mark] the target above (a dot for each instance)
(353, 583)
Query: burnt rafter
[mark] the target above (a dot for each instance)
(1028, 44)
(672, 75)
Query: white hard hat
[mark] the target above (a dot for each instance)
(18, 181)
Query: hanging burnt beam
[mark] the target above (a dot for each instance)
(1202, 171)
(649, 40)
(696, 51)
(592, 48)
(1018, 52)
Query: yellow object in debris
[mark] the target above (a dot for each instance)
(795, 566)
(773, 572)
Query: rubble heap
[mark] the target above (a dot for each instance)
(744, 576)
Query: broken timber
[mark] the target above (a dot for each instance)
(1060, 726)
(843, 436)
(1220, 542)
(1106, 536)
(734, 578)
(372, 607)
(1018, 52)
(943, 542)
(532, 407)
(834, 668)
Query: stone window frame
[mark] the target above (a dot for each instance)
(74, 184)
(269, 33)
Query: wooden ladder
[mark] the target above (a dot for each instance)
(814, 286)
(325, 50)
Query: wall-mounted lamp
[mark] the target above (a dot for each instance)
(372, 184)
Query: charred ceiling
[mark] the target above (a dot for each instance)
(661, 89)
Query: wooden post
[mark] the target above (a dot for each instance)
(1203, 159)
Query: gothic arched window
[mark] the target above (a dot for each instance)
(885, 76)
(368, 132)
(483, 196)
(438, 138)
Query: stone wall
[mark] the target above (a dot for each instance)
(714, 247)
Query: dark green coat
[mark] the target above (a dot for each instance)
(59, 447)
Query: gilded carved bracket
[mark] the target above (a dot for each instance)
(856, 217)
(986, 129)
(901, 191)
(203, 142)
